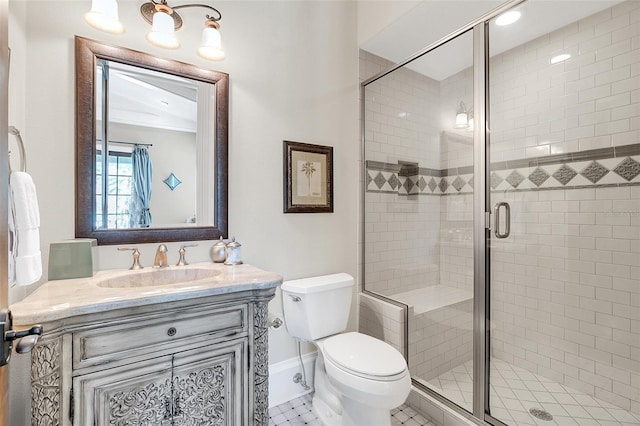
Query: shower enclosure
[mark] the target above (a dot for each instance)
(502, 211)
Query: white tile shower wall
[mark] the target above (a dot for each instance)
(401, 116)
(456, 241)
(382, 320)
(401, 243)
(440, 339)
(589, 101)
(566, 293)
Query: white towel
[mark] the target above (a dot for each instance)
(29, 258)
(13, 239)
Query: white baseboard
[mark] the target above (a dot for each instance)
(281, 385)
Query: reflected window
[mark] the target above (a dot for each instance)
(119, 184)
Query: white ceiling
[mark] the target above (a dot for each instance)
(432, 20)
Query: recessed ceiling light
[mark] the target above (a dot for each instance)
(508, 18)
(559, 58)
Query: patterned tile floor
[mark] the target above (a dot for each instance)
(514, 391)
(299, 412)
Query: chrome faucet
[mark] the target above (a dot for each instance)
(160, 260)
(136, 257)
(183, 249)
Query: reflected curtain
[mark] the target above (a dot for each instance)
(142, 175)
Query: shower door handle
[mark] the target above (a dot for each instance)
(507, 222)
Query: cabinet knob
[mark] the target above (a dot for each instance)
(172, 331)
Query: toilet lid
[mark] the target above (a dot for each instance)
(364, 354)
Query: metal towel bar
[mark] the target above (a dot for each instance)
(23, 156)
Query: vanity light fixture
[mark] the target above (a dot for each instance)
(508, 18)
(164, 21)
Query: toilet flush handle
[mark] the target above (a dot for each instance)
(294, 298)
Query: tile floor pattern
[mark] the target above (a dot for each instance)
(514, 391)
(298, 412)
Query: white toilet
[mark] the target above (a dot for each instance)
(358, 379)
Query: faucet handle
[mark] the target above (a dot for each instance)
(136, 257)
(182, 251)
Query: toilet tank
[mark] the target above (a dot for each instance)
(317, 307)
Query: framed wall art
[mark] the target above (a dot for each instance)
(308, 178)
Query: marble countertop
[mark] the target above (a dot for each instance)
(108, 290)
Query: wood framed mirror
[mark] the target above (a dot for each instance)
(133, 109)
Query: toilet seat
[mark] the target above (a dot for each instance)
(364, 356)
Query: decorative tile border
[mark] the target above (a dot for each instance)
(599, 167)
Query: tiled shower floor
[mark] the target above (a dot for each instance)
(298, 412)
(514, 391)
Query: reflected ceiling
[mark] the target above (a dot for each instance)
(148, 98)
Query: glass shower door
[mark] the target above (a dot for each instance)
(565, 190)
(418, 219)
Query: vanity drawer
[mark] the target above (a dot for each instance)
(127, 340)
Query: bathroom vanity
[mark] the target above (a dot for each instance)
(176, 346)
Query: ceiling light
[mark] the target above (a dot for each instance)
(104, 16)
(164, 21)
(508, 18)
(560, 58)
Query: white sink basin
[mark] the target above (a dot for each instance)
(158, 277)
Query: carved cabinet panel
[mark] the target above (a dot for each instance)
(132, 395)
(202, 386)
(208, 385)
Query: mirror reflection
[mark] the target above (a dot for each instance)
(151, 140)
(149, 176)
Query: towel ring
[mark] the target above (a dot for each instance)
(23, 156)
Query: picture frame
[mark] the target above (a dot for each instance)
(308, 178)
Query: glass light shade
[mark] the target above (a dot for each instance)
(162, 32)
(462, 120)
(470, 129)
(211, 47)
(104, 16)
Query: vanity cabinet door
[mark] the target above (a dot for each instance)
(210, 385)
(203, 386)
(137, 394)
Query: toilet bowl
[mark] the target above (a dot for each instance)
(370, 376)
(358, 378)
